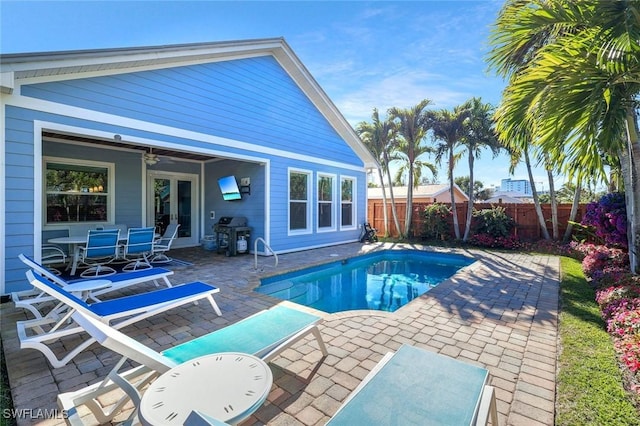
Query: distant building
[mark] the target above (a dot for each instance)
(518, 185)
(509, 197)
(438, 193)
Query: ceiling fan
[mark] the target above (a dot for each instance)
(151, 159)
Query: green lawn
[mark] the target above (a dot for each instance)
(589, 382)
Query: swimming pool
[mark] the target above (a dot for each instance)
(383, 281)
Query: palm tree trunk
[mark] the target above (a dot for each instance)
(467, 226)
(408, 213)
(574, 209)
(394, 210)
(630, 166)
(385, 215)
(553, 199)
(456, 225)
(536, 200)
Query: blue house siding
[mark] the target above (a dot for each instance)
(281, 240)
(250, 206)
(19, 196)
(252, 100)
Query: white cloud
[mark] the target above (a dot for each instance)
(402, 89)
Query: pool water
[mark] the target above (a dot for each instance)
(383, 281)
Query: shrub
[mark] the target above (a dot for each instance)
(607, 295)
(609, 218)
(618, 296)
(486, 240)
(436, 222)
(629, 349)
(626, 319)
(602, 257)
(580, 249)
(493, 221)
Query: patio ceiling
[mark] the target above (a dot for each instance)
(163, 152)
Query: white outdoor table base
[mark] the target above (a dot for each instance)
(227, 386)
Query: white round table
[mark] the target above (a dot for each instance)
(227, 386)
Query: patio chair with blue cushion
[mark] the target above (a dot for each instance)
(101, 249)
(264, 334)
(37, 301)
(138, 247)
(163, 244)
(38, 333)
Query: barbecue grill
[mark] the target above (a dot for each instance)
(229, 231)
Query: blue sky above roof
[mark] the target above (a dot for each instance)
(364, 54)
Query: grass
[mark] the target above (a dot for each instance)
(589, 381)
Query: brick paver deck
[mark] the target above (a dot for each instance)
(500, 313)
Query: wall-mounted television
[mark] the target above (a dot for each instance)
(229, 188)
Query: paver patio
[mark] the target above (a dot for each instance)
(500, 313)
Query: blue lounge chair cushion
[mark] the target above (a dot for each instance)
(252, 335)
(107, 308)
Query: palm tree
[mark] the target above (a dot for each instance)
(412, 128)
(574, 81)
(519, 148)
(379, 137)
(448, 127)
(478, 135)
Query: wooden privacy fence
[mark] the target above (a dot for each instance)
(527, 227)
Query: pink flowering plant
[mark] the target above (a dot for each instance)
(604, 296)
(627, 321)
(629, 349)
(618, 295)
(600, 257)
(611, 311)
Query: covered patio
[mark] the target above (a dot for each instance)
(501, 313)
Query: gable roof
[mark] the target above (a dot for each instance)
(422, 191)
(24, 68)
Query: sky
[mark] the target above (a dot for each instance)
(364, 54)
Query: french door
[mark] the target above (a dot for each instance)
(172, 198)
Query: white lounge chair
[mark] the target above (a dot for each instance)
(38, 333)
(35, 300)
(265, 334)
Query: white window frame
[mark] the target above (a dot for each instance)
(332, 203)
(309, 199)
(110, 194)
(354, 194)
